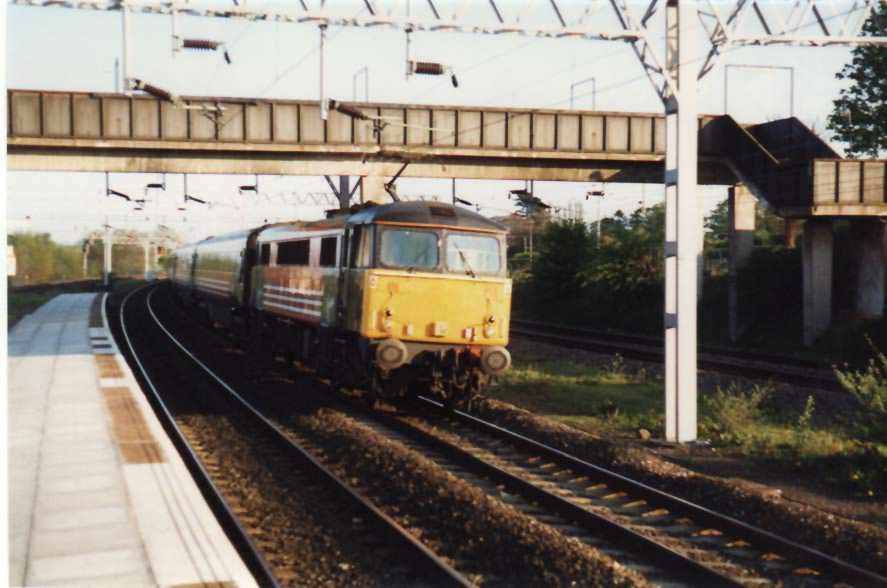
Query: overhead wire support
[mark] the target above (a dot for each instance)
(674, 79)
(431, 22)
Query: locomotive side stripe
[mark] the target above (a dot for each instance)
(292, 299)
(292, 308)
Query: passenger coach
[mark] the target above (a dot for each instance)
(389, 298)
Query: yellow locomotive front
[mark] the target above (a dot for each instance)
(429, 297)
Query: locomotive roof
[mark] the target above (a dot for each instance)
(426, 213)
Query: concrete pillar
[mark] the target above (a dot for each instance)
(372, 189)
(793, 230)
(741, 206)
(818, 252)
(869, 237)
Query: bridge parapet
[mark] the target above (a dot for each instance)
(563, 141)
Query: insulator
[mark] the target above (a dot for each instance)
(348, 110)
(152, 90)
(157, 186)
(227, 57)
(200, 44)
(428, 68)
(454, 80)
(120, 194)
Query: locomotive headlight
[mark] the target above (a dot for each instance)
(391, 354)
(490, 327)
(495, 360)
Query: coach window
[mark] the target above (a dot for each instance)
(328, 252)
(362, 246)
(265, 256)
(293, 252)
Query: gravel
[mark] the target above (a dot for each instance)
(504, 546)
(855, 542)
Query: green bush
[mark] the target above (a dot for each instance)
(729, 416)
(869, 387)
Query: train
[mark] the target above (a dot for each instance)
(389, 299)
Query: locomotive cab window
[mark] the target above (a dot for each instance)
(328, 252)
(470, 253)
(361, 249)
(265, 254)
(409, 248)
(293, 252)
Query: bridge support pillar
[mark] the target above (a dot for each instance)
(793, 230)
(372, 189)
(742, 207)
(818, 251)
(870, 240)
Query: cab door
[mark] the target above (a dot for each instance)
(357, 260)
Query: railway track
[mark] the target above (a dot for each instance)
(787, 369)
(632, 521)
(668, 540)
(288, 455)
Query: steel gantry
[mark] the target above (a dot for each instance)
(673, 72)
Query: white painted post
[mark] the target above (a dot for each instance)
(127, 54)
(106, 257)
(671, 227)
(688, 223)
(147, 246)
(682, 226)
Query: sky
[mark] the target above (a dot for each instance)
(63, 49)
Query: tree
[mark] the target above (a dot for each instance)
(860, 115)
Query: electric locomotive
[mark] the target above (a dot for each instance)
(389, 299)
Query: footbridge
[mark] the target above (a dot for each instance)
(782, 161)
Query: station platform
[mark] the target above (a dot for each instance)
(98, 494)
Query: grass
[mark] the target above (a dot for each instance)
(755, 424)
(590, 399)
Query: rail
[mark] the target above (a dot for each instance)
(250, 552)
(440, 573)
(658, 499)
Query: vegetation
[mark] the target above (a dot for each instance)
(869, 387)
(758, 425)
(859, 118)
(40, 260)
(615, 281)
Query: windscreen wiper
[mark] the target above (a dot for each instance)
(464, 259)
